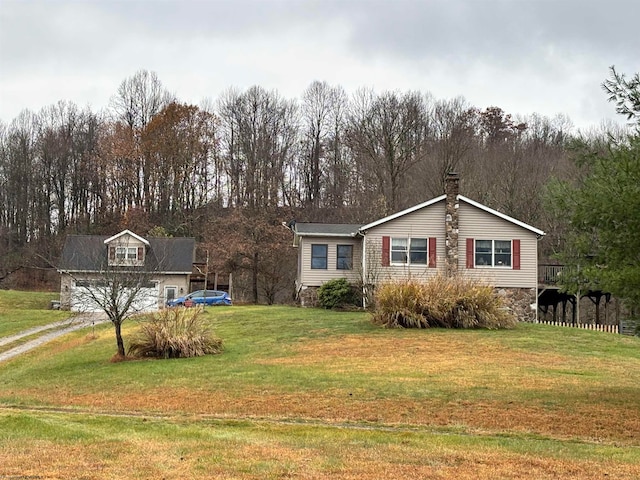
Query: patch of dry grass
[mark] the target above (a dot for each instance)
(151, 448)
(336, 402)
(447, 381)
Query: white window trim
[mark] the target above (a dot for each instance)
(126, 254)
(493, 253)
(408, 252)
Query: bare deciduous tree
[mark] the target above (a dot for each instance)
(387, 134)
(321, 166)
(256, 245)
(111, 282)
(259, 134)
(450, 138)
(139, 98)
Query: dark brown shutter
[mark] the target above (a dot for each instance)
(516, 254)
(141, 254)
(470, 253)
(112, 253)
(432, 252)
(386, 251)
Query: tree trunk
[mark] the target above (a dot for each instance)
(255, 277)
(119, 341)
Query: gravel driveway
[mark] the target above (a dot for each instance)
(49, 332)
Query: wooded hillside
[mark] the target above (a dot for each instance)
(230, 171)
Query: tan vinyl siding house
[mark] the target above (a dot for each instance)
(476, 223)
(87, 259)
(325, 252)
(317, 276)
(482, 225)
(450, 234)
(422, 223)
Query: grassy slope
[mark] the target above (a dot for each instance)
(23, 310)
(542, 401)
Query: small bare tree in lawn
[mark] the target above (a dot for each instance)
(117, 293)
(117, 284)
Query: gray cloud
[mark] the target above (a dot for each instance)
(523, 55)
(504, 31)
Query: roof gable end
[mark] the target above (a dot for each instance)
(501, 215)
(403, 213)
(123, 233)
(460, 198)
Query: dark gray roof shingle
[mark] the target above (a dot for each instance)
(327, 229)
(89, 253)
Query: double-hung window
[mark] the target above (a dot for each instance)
(399, 250)
(319, 256)
(418, 251)
(409, 251)
(345, 257)
(126, 253)
(493, 253)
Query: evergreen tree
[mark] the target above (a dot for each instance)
(602, 247)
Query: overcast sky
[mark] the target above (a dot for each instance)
(524, 56)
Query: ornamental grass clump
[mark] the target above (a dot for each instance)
(447, 302)
(175, 333)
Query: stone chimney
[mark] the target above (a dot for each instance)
(452, 188)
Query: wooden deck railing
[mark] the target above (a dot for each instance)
(549, 274)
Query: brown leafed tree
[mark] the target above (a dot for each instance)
(254, 245)
(181, 148)
(139, 98)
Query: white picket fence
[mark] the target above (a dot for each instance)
(584, 326)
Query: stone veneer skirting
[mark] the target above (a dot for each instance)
(308, 297)
(521, 301)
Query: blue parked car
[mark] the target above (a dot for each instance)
(201, 297)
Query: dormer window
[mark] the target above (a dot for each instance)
(126, 253)
(126, 249)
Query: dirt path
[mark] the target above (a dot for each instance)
(52, 330)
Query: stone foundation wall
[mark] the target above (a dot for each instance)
(519, 301)
(308, 297)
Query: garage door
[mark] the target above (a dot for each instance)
(86, 298)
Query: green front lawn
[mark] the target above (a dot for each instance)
(21, 311)
(303, 390)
